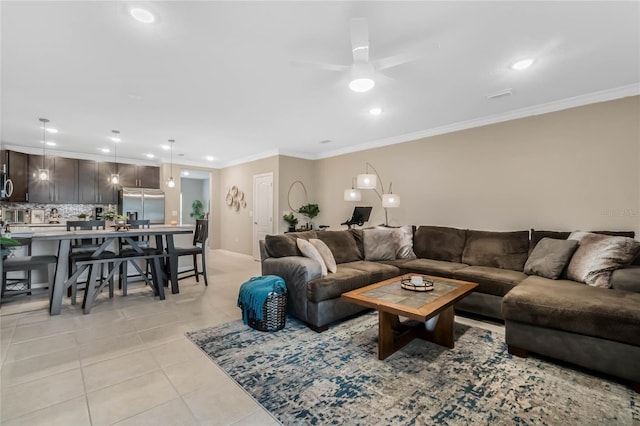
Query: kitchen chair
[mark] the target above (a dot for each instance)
(28, 263)
(82, 250)
(200, 236)
(149, 254)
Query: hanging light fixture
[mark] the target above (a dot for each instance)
(352, 194)
(43, 173)
(171, 182)
(115, 177)
(369, 180)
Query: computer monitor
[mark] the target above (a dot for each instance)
(359, 217)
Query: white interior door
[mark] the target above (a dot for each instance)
(262, 210)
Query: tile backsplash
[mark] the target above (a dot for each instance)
(66, 211)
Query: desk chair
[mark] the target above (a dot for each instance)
(81, 251)
(27, 264)
(200, 236)
(150, 255)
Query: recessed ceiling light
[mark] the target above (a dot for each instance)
(185, 173)
(209, 157)
(49, 143)
(362, 84)
(166, 147)
(522, 64)
(105, 150)
(142, 15)
(51, 129)
(149, 155)
(115, 138)
(375, 111)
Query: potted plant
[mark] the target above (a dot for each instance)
(291, 220)
(6, 244)
(310, 211)
(109, 215)
(197, 210)
(82, 216)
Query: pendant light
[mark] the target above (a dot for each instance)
(115, 177)
(171, 182)
(43, 173)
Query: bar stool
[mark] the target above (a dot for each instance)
(149, 254)
(82, 250)
(200, 236)
(26, 264)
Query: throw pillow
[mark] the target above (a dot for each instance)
(549, 257)
(379, 244)
(308, 250)
(403, 240)
(598, 256)
(326, 254)
(343, 245)
(281, 246)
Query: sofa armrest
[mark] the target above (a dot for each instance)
(626, 278)
(296, 271)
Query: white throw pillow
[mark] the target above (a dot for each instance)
(308, 250)
(325, 253)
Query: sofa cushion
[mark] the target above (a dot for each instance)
(377, 271)
(549, 258)
(439, 243)
(506, 250)
(285, 245)
(333, 285)
(494, 281)
(598, 256)
(342, 244)
(403, 238)
(326, 254)
(379, 244)
(626, 278)
(537, 235)
(308, 250)
(439, 268)
(576, 308)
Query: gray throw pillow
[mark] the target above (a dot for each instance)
(598, 256)
(379, 244)
(549, 258)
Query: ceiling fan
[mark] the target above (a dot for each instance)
(364, 72)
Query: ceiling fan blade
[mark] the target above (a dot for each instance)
(316, 65)
(414, 54)
(360, 40)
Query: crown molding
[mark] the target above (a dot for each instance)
(558, 105)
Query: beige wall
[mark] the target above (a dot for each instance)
(236, 233)
(572, 169)
(292, 170)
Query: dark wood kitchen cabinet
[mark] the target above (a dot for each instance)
(94, 183)
(17, 164)
(40, 191)
(62, 186)
(139, 176)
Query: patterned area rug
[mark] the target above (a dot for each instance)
(334, 377)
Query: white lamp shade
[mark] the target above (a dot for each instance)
(352, 195)
(115, 178)
(390, 200)
(366, 181)
(171, 183)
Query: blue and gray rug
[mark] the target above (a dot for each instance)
(306, 378)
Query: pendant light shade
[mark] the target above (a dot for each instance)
(390, 200)
(115, 177)
(366, 181)
(171, 183)
(43, 173)
(352, 194)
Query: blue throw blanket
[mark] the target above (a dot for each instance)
(254, 293)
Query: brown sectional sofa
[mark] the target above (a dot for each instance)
(592, 327)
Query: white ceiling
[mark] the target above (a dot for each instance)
(217, 76)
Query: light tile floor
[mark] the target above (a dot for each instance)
(128, 362)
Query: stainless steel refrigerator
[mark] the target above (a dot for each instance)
(142, 203)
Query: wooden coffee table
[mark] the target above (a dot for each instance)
(433, 310)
